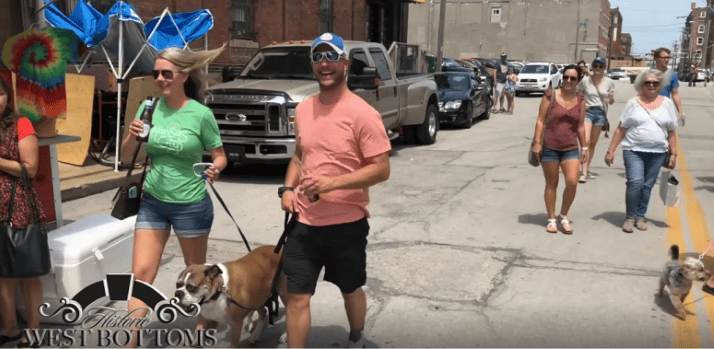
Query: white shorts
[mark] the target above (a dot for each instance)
(499, 88)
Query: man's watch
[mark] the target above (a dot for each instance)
(282, 190)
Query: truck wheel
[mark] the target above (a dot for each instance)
(408, 134)
(468, 114)
(426, 132)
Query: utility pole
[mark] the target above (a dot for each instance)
(577, 36)
(440, 48)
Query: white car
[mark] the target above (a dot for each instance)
(538, 77)
(616, 74)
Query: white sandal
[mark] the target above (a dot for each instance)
(564, 222)
(552, 224)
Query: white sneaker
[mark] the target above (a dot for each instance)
(583, 178)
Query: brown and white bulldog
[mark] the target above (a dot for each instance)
(229, 292)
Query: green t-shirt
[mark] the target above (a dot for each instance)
(176, 142)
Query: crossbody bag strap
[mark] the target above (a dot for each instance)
(131, 168)
(598, 93)
(30, 195)
(11, 204)
(652, 117)
(547, 117)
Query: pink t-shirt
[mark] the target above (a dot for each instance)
(335, 139)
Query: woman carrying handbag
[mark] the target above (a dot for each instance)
(555, 142)
(18, 154)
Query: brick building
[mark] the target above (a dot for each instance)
(615, 33)
(626, 44)
(695, 31)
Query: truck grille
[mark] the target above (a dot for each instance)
(253, 116)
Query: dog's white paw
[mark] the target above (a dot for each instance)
(283, 338)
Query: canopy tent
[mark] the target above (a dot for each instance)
(121, 33)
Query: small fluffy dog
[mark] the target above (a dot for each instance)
(229, 292)
(679, 276)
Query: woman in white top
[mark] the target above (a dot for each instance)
(648, 131)
(598, 90)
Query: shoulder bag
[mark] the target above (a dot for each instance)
(128, 197)
(533, 157)
(665, 163)
(25, 251)
(606, 126)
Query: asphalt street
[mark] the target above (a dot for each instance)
(458, 255)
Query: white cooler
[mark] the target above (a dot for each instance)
(82, 253)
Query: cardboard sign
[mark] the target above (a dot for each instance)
(80, 100)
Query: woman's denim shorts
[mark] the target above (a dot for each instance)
(595, 115)
(188, 220)
(552, 155)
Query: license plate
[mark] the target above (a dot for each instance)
(234, 152)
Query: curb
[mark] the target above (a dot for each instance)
(96, 187)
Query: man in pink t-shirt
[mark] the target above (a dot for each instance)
(342, 150)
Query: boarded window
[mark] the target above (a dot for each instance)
(496, 14)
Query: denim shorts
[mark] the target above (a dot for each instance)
(552, 155)
(595, 115)
(188, 220)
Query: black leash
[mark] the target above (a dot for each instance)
(230, 215)
(288, 225)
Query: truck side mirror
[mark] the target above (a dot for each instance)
(367, 79)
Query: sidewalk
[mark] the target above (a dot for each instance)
(80, 181)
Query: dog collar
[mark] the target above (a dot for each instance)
(224, 276)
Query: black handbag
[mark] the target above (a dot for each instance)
(128, 197)
(26, 252)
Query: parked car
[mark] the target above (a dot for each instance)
(617, 74)
(462, 97)
(701, 75)
(560, 67)
(483, 73)
(256, 111)
(517, 65)
(538, 77)
(450, 64)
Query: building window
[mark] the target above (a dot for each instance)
(703, 14)
(700, 41)
(241, 19)
(496, 14)
(325, 23)
(701, 29)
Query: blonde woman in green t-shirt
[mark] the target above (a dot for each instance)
(173, 196)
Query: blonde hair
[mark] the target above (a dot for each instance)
(640, 80)
(191, 62)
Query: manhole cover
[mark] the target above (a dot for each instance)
(435, 272)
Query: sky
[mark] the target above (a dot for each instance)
(654, 23)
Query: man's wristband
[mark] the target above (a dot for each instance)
(282, 190)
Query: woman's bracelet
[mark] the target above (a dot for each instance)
(584, 148)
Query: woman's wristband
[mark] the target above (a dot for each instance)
(584, 148)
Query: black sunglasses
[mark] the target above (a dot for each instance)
(167, 74)
(570, 78)
(652, 83)
(598, 66)
(331, 56)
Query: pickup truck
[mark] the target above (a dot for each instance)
(256, 111)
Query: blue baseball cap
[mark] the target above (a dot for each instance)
(333, 40)
(600, 60)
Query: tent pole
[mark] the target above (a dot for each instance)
(119, 90)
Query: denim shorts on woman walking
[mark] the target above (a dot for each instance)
(552, 155)
(595, 115)
(188, 220)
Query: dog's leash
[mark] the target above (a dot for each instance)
(203, 176)
(701, 256)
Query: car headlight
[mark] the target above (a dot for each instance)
(453, 105)
(543, 79)
(291, 121)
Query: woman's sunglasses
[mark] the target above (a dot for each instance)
(598, 66)
(570, 78)
(331, 56)
(652, 83)
(167, 74)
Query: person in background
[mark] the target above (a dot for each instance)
(500, 76)
(648, 134)
(584, 69)
(563, 131)
(329, 194)
(173, 196)
(670, 84)
(511, 79)
(18, 146)
(599, 92)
